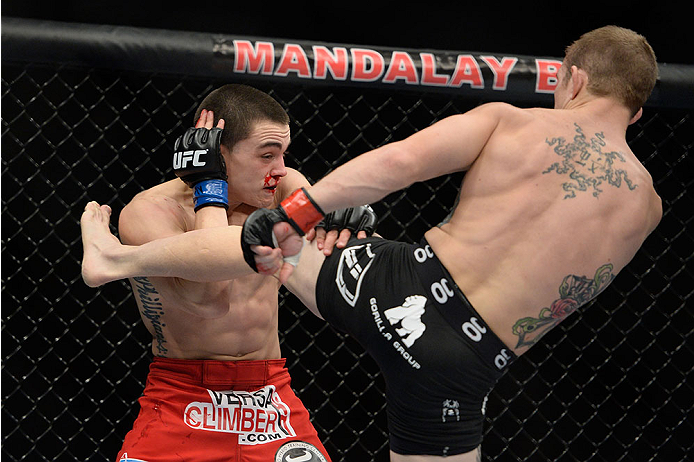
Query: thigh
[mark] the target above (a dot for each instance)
(436, 381)
(356, 283)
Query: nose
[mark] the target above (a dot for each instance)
(279, 169)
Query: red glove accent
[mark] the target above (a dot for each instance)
(303, 213)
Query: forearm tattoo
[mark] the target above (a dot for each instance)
(574, 292)
(152, 310)
(587, 167)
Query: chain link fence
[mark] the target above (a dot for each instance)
(612, 383)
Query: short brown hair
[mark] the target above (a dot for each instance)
(619, 62)
(241, 107)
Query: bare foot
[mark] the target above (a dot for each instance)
(97, 242)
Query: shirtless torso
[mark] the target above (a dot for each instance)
(227, 320)
(553, 198)
(552, 206)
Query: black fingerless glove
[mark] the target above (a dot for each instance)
(355, 219)
(198, 161)
(298, 210)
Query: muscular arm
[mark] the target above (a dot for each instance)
(448, 146)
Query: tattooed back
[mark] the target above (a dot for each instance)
(551, 210)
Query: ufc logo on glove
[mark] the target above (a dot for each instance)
(181, 158)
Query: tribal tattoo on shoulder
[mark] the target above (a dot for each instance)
(574, 292)
(586, 165)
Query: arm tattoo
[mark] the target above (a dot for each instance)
(152, 310)
(586, 165)
(574, 292)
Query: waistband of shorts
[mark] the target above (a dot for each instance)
(214, 373)
(457, 309)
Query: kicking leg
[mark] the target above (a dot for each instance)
(212, 254)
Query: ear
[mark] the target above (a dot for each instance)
(637, 116)
(579, 80)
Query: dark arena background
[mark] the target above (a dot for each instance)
(90, 112)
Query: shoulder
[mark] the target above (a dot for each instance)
(151, 214)
(492, 115)
(513, 114)
(501, 109)
(290, 183)
(509, 118)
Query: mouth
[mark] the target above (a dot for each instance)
(271, 183)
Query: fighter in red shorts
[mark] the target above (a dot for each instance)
(221, 410)
(217, 388)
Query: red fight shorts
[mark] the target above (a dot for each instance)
(214, 411)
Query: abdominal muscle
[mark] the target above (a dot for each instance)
(247, 331)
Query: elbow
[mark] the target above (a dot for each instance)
(401, 165)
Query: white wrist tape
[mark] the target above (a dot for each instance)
(294, 259)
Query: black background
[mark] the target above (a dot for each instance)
(525, 28)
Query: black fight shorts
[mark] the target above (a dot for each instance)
(438, 357)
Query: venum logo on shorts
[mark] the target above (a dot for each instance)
(299, 451)
(354, 263)
(258, 417)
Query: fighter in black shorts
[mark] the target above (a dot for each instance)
(438, 357)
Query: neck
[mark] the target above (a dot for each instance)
(603, 110)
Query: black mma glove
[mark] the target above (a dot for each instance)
(355, 219)
(198, 161)
(298, 210)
